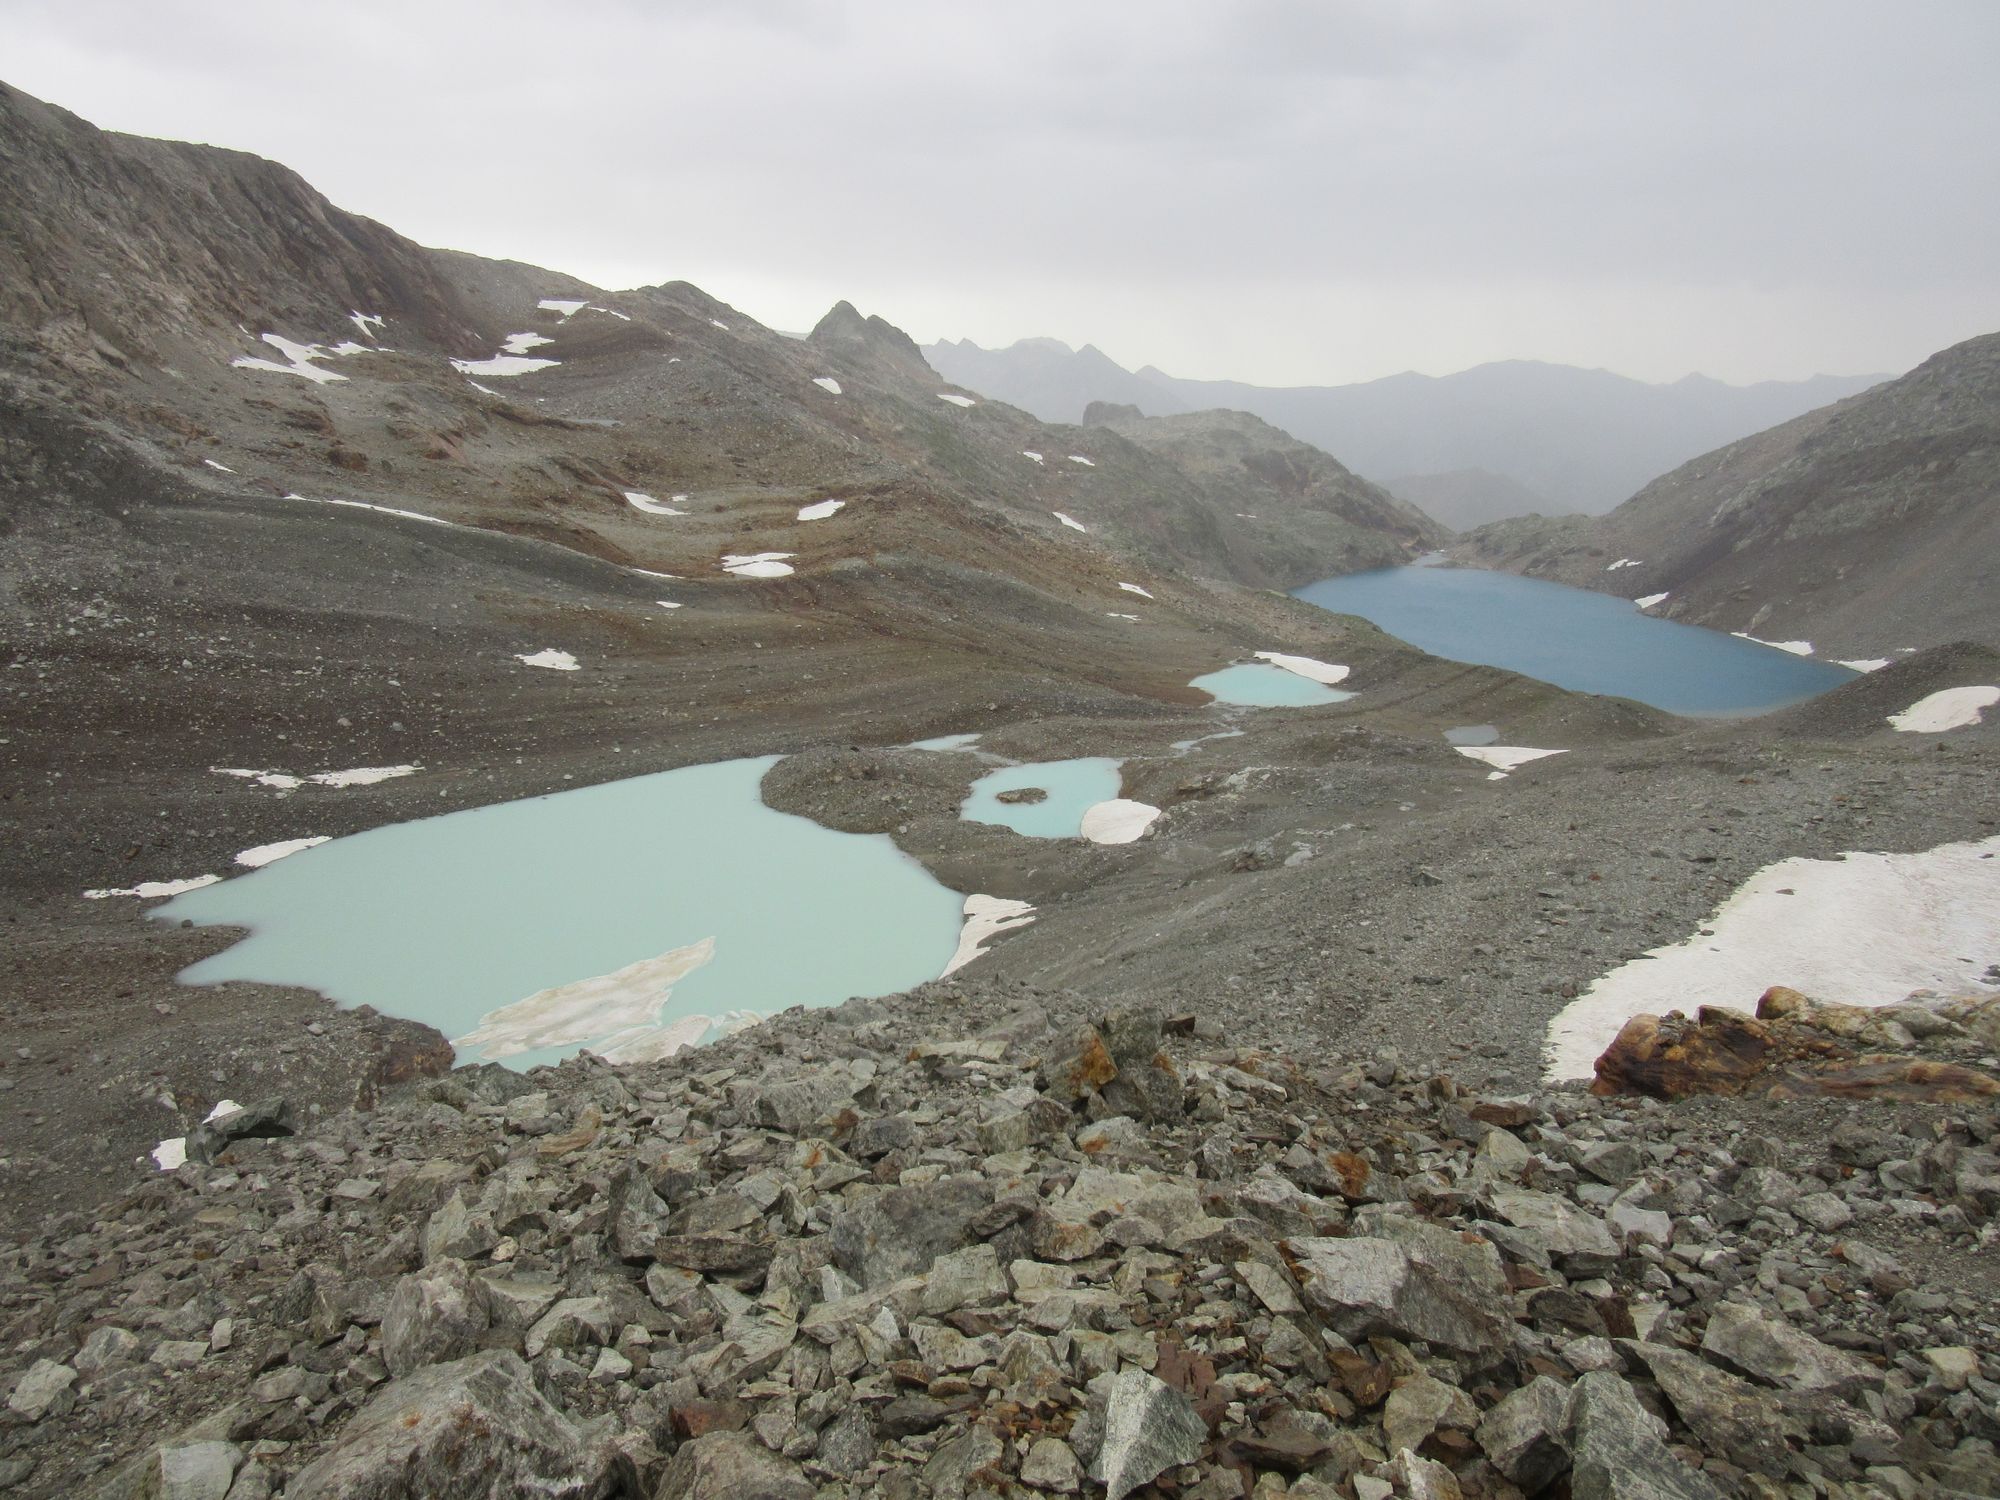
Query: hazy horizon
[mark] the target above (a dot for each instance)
(1274, 193)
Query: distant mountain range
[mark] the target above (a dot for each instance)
(1494, 441)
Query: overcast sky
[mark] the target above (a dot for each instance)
(1282, 191)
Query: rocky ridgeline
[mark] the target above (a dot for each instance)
(870, 1251)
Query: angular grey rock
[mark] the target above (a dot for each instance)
(436, 1314)
(1148, 1427)
(964, 1278)
(730, 1466)
(266, 1120)
(796, 1106)
(44, 1388)
(1363, 1287)
(1148, 1085)
(1015, 1128)
(1742, 1338)
(900, 1232)
(1523, 1433)
(468, 1430)
(1555, 1225)
(964, 1466)
(1731, 1417)
(190, 1471)
(455, 1230)
(847, 1445)
(1051, 1465)
(1421, 1405)
(1618, 1449)
(638, 1216)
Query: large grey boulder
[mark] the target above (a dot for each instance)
(44, 1388)
(900, 1232)
(435, 1314)
(190, 1471)
(1522, 1434)
(266, 1120)
(1618, 1448)
(1146, 1428)
(730, 1466)
(1729, 1417)
(638, 1216)
(1364, 1286)
(469, 1430)
(1776, 1353)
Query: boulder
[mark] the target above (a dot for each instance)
(638, 1215)
(1730, 1417)
(1523, 1433)
(1766, 1349)
(1363, 1287)
(730, 1466)
(263, 1121)
(900, 1232)
(1618, 1448)
(468, 1430)
(436, 1314)
(1146, 1427)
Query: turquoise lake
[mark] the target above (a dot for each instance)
(1584, 641)
(1261, 685)
(445, 919)
(1073, 787)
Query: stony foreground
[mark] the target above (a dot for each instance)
(1025, 1250)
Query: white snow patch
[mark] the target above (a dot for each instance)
(640, 500)
(521, 343)
(362, 775)
(1797, 648)
(1070, 521)
(282, 780)
(757, 564)
(667, 604)
(827, 383)
(566, 306)
(1647, 601)
(986, 917)
(1030, 453)
(1859, 929)
(171, 1153)
(1133, 588)
(625, 1001)
(1118, 821)
(265, 854)
(1115, 615)
(512, 360)
(649, 573)
(1305, 666)
(222, 467)
(614, 312)
(298, 360)
(368, 323)
(484, 390)
(1078, 458)
(1504, 758)
(1623, 562)
(1868, 664)
(149, 890)
(718, 323)
(554, 660)
(819, 510)
(956, 400)
(383, 510)
(1951, 708)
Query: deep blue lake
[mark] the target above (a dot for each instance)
(1584, 641)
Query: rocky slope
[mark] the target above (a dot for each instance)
(1865, 528)
(1009, 1245)
(1584, 439)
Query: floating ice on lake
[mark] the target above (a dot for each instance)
(298, 359)
(827, 383)
(1133, 588)
(1950, 708)
(819, 510)
(149, 890)
(757, 564)
(986, 917)
(554, 660)
(564, 305)
(1647, 601)
(264, 854)
(619, 1003)
(1859, 929)
(1118, 821)
(1078, 458)
(956, 400)
(640, 500)
(1797, 648)
(1070, 521)
(1318, 671)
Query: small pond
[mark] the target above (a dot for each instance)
(1070, 788)
(714, 906)
(1577, 639)
(1259, 685)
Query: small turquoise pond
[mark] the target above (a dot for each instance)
(1073, 786)
(1261, 685)
(445, 919)
(1577, 639)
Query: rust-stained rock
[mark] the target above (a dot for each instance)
(1671, 1057)
(1080, 1069)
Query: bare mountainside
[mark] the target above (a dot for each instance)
(1866, 528)
(1497, 440)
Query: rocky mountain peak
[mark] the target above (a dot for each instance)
(871, 341)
